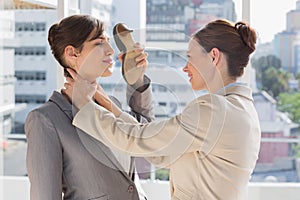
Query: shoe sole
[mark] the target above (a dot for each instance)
(125, 43)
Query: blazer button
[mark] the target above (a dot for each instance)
(130, 188)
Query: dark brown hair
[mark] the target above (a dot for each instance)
(236, 41)
(73, 30)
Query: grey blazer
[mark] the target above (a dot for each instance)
(65, 163)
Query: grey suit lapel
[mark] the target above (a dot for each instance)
(101, 152)
(97, 149)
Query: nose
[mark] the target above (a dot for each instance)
(109, 50)
(185, 68)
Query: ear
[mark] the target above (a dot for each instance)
(215, 55)
(70, 52)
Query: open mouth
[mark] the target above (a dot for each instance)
(190, 76)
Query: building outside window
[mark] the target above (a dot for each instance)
(26, 79)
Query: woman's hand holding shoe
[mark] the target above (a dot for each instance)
(141, 62)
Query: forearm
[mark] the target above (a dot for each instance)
(106, 102)
(155, 139)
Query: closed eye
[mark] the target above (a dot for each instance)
(101, 40)
(99, 43)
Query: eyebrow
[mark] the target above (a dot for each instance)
(99, 37)
(104, 37)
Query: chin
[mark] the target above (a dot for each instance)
(106, 73)
(197, 87)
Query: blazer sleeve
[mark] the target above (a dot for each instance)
(197, 128)
(140, 101)
(44, 158)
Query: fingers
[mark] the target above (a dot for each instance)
(70, 81)
(142, 63)
(100, 88)
(68, 90)
(137, 45)
(72, 73)
(93, 84)
(120, 56)
(141, 60)
(80, 91)
(139, 50)
(142, 56)
(76, 78)
(68, 85)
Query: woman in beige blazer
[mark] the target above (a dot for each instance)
(63, 162)
(211, 148)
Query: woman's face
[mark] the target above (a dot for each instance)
(95, 59)
(199, 66)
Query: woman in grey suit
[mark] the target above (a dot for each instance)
(212, 146)
(62, 161)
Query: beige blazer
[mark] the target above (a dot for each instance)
(211, 148)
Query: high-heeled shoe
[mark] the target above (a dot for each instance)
(125, 43)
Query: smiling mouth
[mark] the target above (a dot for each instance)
(109, 61)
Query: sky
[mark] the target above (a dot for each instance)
(267, 17)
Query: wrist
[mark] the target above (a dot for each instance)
(103, 101)
(141, 85)
(138, 83)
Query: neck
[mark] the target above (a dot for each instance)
(66, 96)
(218, 84)
(87, 77)
(220, 78)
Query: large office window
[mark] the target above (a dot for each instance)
(30, 75)
(274, 72)
(33, 99)
(34, 26)
(30, 51)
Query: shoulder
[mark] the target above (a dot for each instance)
(204, 109)
(41, 117)
(207, 101)
(42, 111)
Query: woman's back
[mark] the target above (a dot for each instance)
(222, 167)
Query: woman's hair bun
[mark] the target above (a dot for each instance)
(52, 33)
(248, 35)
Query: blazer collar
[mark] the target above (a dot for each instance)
(62, 102)
(240, 89)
